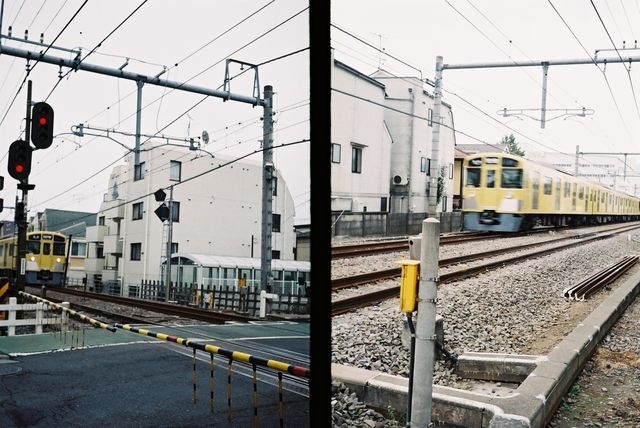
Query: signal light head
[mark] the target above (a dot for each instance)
(42, 125)
(19, 160)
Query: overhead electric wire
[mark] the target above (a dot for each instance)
(36, 61)
(96, 46)
(235, 25)
(604, 75)
(628, 70)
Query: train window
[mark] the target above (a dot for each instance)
(46, 248)
(512, 163)
(512, 178)
(33, 247)
(58, 249)
(548, 185)
(491, 178)
(491, 161)
(473, 177)
(475, 162)
(567, 190)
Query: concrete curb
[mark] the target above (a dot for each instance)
(545, 379)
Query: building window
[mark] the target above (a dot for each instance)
(274, 185)
(383, 204)
(100, 252)
(175, 170)
(137, 211)
(136, 251)
(356, 159)
(79, 249)
(450, 171)
(275, 254)
(101, 220)
(430, 117)
(275, 222)
(174, 247)
(138, 171)
(335, 153)
(175, 211)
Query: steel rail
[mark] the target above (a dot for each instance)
(600, 279)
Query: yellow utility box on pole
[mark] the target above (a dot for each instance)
(409, 285)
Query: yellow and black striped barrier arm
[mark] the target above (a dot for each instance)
(4, 296)
(71, 312)
(212, 349)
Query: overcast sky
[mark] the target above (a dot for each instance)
(189, 41)
(465, 32)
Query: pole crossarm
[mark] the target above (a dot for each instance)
(75, 64)
(540, 63)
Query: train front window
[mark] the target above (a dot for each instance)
(473, 177)
(58, 249)
(33, 247)
(511, 178)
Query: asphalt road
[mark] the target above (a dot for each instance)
(138, 384)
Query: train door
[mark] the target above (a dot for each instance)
(556, 196)
(491, 178)
(535, 190)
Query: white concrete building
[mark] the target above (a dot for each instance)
(217, 210)
(360, 143)
(409, 119)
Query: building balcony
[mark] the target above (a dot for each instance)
(109, 275)
(93, 266)
(96, 233)
(114, 209)
(112, 244)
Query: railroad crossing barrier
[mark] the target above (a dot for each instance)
(65, 309)
(232, 356)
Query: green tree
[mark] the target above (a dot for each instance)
(512, 146)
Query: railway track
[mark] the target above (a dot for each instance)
(213, 317)
(378, 247)
(345, 305)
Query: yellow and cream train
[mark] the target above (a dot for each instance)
(507, 193)
(45, 260)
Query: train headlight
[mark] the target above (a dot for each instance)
(33, 259)
(58, 260)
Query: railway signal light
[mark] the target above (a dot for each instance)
(20, 160)
(42, 125)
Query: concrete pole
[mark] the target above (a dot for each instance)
(169, 245)
(435, 141)
(422, 380)
(543, 110)
(267, 191)
(136, 151)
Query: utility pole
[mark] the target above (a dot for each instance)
(435, 141)
(267, 192)
(169, 245)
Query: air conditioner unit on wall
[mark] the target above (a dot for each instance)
(399, 180)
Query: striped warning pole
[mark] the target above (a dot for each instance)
(4, 299)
